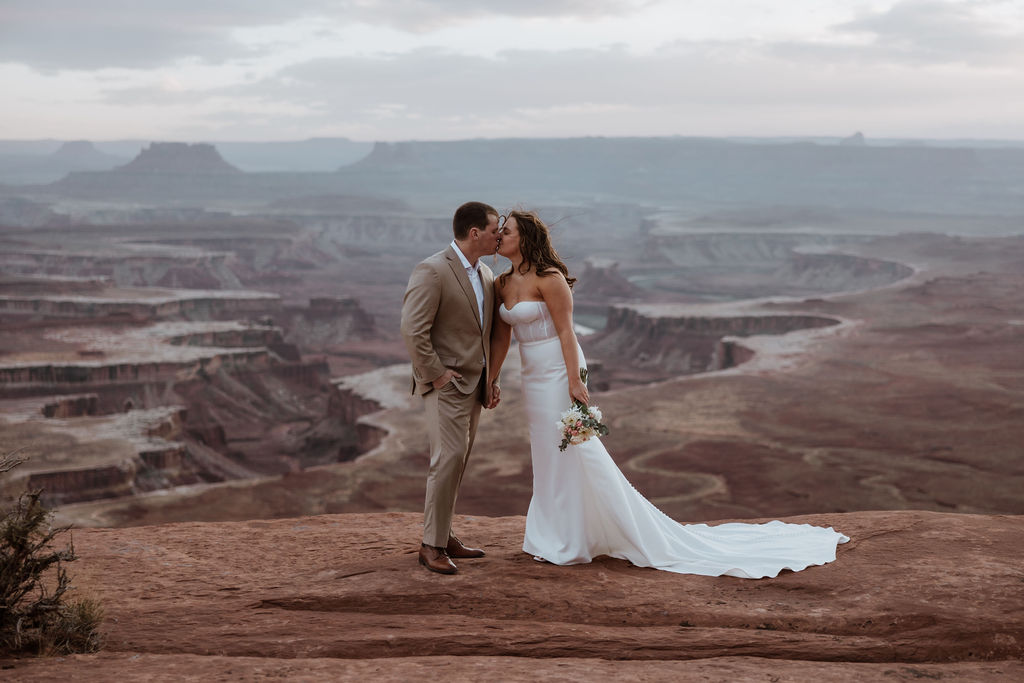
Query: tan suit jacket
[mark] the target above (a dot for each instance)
(441, 323)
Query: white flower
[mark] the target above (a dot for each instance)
(572, 415)
(579, 424)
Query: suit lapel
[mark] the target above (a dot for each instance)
(467, 287)
(488, 279)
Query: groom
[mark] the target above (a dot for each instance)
(446, 324)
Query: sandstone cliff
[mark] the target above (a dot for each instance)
(641, 343)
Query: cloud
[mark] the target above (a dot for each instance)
(51, 35)
(446, 95)
(70, 34)
(920, 67)
(65, 47)
(687, 88)
(435, 83)
(422, 15)
(918, 32)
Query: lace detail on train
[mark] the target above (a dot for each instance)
(530, 321)
(583, 506)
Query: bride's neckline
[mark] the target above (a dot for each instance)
(521, 301)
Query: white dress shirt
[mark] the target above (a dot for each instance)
(473, 271)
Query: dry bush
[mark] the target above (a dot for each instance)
(35, 615)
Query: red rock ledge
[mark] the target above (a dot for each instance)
(913, 595)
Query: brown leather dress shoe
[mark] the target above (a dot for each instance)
(456, 549)
(436, 560)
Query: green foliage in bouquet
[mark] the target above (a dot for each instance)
(581, 422)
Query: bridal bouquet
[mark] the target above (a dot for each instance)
(580, 422)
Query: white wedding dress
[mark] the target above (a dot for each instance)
(583, 506)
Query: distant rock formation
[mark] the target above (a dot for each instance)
(855, 140)
(179, 157)
(602, 281)
(634, 341)
(700, 174)
(30, 164)
(84, 155)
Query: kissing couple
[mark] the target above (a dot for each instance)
(457, 323)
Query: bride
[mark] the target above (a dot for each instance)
(582, 505)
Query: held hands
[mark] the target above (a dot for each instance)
(493, 394)
(493, 397)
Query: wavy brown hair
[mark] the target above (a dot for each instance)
(535, 246)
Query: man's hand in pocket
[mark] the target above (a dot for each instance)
(445, 378)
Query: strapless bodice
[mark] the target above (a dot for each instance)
(530, 321)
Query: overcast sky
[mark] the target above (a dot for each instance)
(453, 69)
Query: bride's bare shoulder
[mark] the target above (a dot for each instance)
(546, 276)
(554, 286)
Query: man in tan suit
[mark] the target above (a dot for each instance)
(446, 324)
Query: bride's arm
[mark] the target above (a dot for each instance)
(557, 295)
(501, 337)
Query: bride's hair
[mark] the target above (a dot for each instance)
(535, 246)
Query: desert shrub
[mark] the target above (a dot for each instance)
(35, 614)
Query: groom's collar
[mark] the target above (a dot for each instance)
(462, 257)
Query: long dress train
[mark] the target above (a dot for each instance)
(583, 506)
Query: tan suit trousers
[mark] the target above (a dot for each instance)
(452, 419)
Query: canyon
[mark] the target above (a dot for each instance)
(251, 370)
(842, 414)
(220, 376)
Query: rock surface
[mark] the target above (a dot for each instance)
(914, 595)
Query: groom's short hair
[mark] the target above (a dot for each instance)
(471, 215)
